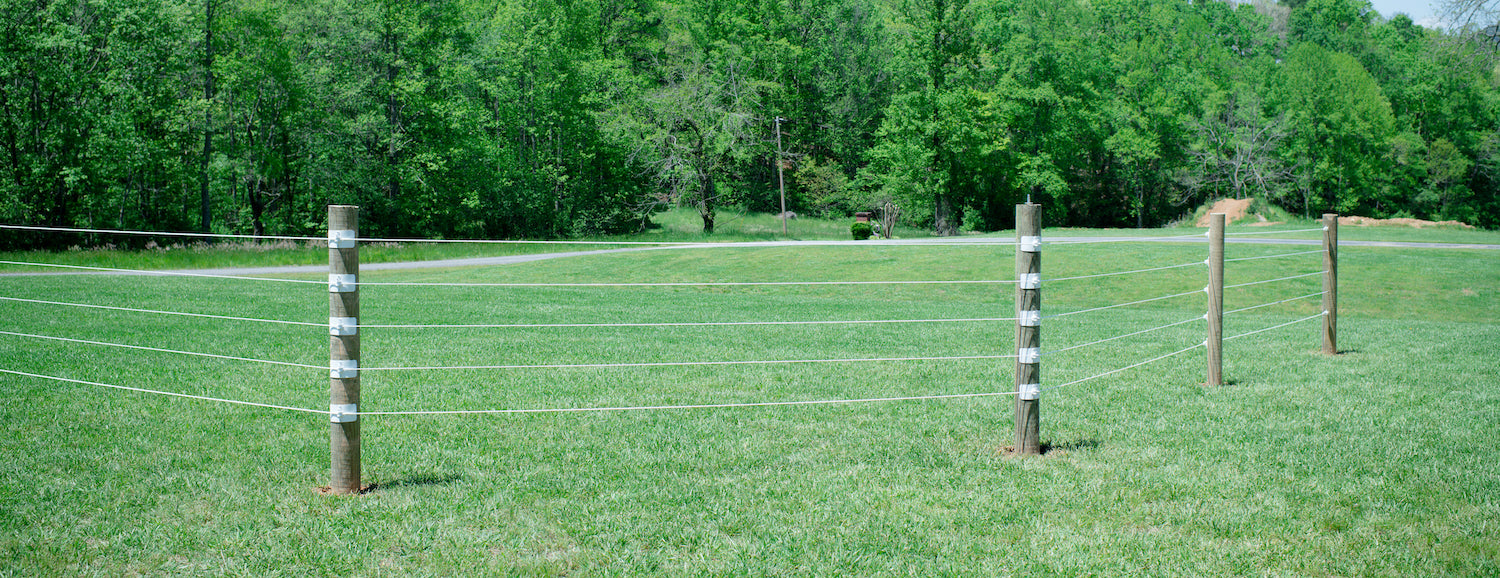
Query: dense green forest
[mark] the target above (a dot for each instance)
(544, 118)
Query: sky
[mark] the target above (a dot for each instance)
(1420, 11)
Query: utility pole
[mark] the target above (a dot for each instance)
(780, 181)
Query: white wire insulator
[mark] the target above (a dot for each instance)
(1274, 256)
(162, 273)
(686, 363)
(133, 310)
(1275, 302)
(1273, 280)
(1194, 263)
(1271, 232)
(162, 233)
(1133, 366)
(160, 350)
(1195, 292)
(681, 324)
(1141, 332)
(167, 393)
(1249, 333)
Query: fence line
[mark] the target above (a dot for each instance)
(1121, 304)
(687, 363)
(168, 393)
(160, 350)
(678, 324)
(1123, 240)
(1273, 232)
(1274, 303)
(163, 273)
(1274, 280)
(1274, 256)
(161, 234)
(685, 284)
(1308, 318)
(1194, 263)
(1112, 372)
(1106, 340)
(133, 310)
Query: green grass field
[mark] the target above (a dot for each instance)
(1379, 461)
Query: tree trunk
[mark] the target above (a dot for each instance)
(706, 207)
(208, 97)
(945, 219)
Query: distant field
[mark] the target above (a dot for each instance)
(1380, 461)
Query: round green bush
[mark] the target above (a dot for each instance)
(861, 230)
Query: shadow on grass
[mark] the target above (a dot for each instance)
(1059, 449)
(415, 481)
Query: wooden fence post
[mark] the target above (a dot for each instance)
(1028, 328)
(1215, 290)
(343, 348)
(1330, 283)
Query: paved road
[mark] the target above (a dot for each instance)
(969, 241)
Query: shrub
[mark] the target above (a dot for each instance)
(861, 230)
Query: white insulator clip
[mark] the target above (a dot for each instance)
(1029, 318)
(343, 413)
(343, 368)
(341, 239)
(342, 283)
(1031, 391)
(1031, 280)
(343, 326)
(1029, 355)
(1031, 243)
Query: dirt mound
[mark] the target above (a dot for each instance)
(1417, 223)
(1233, 209)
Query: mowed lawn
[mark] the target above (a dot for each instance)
(1379, 461)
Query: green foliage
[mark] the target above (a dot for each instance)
(861, 230)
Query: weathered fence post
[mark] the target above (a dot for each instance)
(343, 347)
(1330, 283)
(1028, 328)
(1215, 290)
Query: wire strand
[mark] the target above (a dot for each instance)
(679, 324)
(1129, 272)
(1273, 256)
(1272, 232)
(1112, 372)
(1082, 345)
(1308, 318)
(133, 310)
(1121, 304)
(684, 284)
(685, 363)
(1273, 280)
(163, 273)
(699, 406)
(161, 233)
(1124, 240)
(168, 393)
(1275, 302)
(159, 350)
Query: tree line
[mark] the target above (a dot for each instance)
(558, 118)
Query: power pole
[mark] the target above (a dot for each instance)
(780, 181)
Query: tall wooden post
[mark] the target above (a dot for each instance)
(343, 348)
(1028, 328)
(1215, 290)
(1330, 283)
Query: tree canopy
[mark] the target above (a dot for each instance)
(559, 118)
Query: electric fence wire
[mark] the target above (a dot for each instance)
(1275, 303)
(167, 393)
(1273, 232)
(1263, 330)
(1117, 337)
(1274, 256)
(164, 273)
(1132, 366)
(683, 284)
(1108, 240)
(153, 311)
(160, 350)
(1273, 280)
(1081, 311)
(687, 363)
(161, 233)
(1193, 264)
(679, 324)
